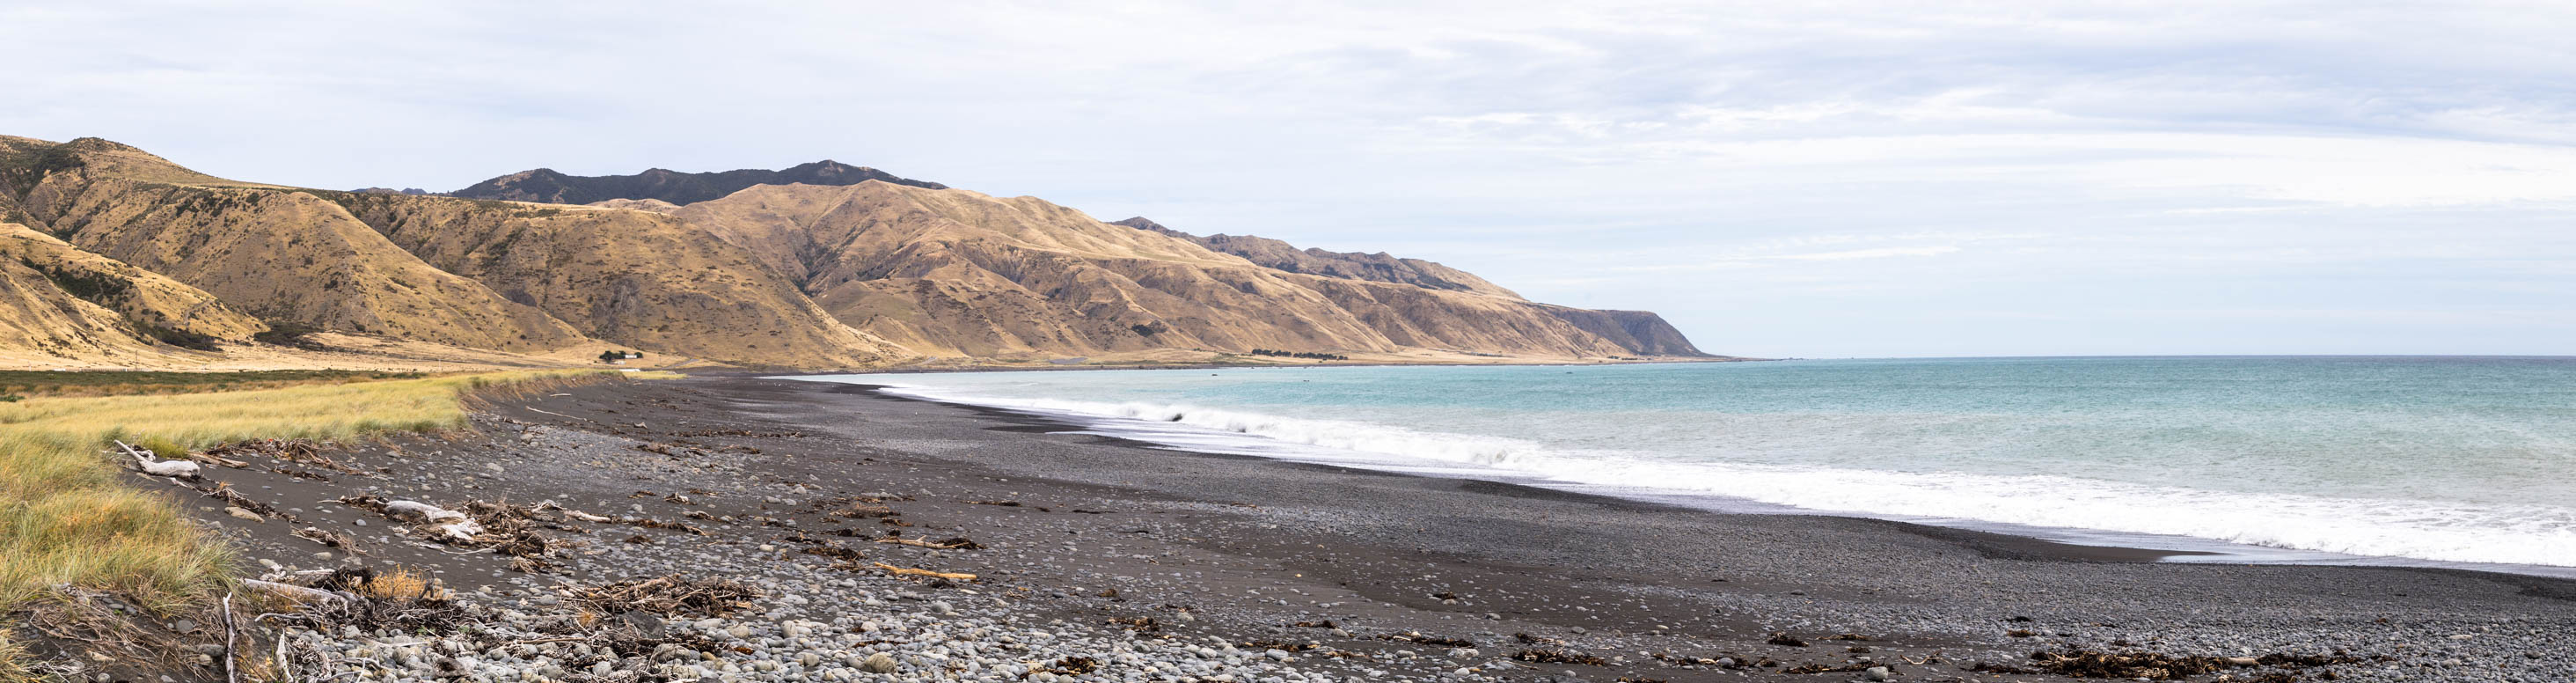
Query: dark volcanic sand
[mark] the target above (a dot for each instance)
(1249, 547)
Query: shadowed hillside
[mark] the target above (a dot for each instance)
(1379, 267)
(158, 307)
(553, 187)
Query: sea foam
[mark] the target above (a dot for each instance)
(2442, 532)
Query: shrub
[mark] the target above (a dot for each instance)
(286, 333)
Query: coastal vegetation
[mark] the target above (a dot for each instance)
(1310, 355)
(68, 515)
(126, 382)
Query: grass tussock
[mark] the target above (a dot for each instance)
(67, 515)
(402, 584)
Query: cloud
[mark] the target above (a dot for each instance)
(1882, 252)
(1738, 167)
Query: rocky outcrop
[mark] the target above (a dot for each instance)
(1639, 331)
(554, 187)
(1378, 267)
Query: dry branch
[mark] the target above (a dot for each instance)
(907, 571)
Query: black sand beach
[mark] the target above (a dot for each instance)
(1130, 554)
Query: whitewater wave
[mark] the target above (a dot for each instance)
(2423, 530)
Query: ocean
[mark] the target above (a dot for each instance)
(2445, 461)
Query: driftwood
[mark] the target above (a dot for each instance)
(907, 571)
(303, 451)
(329, 539)
(293, 591)
(153, 465)
(561, 415)
(958, 543)
(230, 676)
(669, 595)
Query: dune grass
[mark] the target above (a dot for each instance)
(69, 515)
(37, 383)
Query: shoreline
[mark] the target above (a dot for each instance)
(1994, 543)
(2075, 542)
(910, 370)
(1166, 565)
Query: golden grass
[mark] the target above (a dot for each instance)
(402, 584)
(68, 516)
(25, 383)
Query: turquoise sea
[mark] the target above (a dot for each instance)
(2405, 460)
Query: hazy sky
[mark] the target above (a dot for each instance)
(1852, 179)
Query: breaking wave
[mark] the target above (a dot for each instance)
(2421, 530)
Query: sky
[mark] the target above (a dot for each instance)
(1778, 179)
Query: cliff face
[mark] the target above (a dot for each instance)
(957, 272)
(1640, 331)
(553, 187)
(1378, 267)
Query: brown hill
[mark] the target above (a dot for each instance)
(633, 277)
(479, 274)
(125, 248)
(156, 306)
(958, 272)
(39, 318)
(58, 303)
(1378, 267)
(275, 252)
(554, 187)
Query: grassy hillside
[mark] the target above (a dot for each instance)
(962, 273)
(634, 277)
(276, 253)
(157, 306)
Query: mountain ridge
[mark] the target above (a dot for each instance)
(547, 185)
(1379, 267)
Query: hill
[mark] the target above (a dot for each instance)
(112, 252)
(959, 272)
(158, 307)
(40, 319)
(637, 278)
(503, 276)
(554, 187)
(277, 253)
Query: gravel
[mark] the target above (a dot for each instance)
(1266, 572)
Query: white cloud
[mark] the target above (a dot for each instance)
(1731, 165)
(1881, 252)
